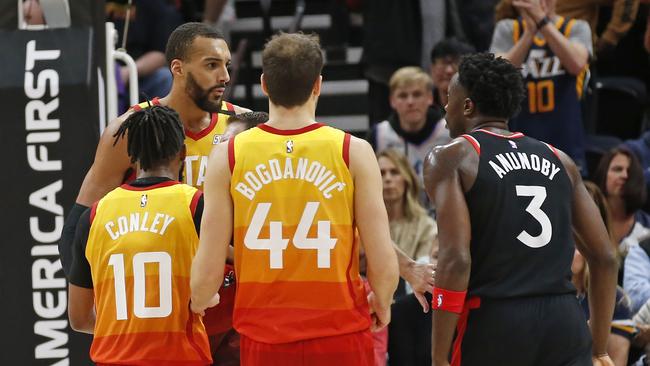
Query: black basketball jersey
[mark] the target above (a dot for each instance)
(520, 211)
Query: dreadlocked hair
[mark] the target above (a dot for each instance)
(154, 135)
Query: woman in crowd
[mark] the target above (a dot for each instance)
(415, 233)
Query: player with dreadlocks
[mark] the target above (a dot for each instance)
(129, 279)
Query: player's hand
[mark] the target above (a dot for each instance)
(421, 277)
(603, 360)
(201, 309)
(379, 314)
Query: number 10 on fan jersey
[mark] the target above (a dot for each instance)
(276, 244)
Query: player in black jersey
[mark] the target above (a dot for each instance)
(506, 206)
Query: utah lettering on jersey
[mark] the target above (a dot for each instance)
(156, 223)
(313, 172)
(540, 66)
(190, 162)
(512, 161)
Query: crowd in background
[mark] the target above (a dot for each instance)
(579, 60)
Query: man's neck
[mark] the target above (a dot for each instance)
(412, 126)
(292, 118)
(157, 172)
(193, 117)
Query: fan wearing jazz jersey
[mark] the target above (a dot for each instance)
(291, 193)
(129, 279)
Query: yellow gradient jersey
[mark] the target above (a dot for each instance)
(296, 259)
(140, 248)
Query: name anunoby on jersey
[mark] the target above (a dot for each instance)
(135, 222)
(512, 161)
(313, 172)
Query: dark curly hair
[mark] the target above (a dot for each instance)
(154, 136)
(493, 83)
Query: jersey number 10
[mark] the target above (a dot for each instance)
(276, 244)
(140, 310)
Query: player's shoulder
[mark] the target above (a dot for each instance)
(239, 109)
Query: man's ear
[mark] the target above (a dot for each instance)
(468, 107)
(176, 67)
(317, 86)
(263, 84)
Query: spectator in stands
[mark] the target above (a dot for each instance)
(622, 330)
(220, 14)
(477, 19)
(445, 57)
(415, 234)
(414, 128)
(150, 24)
(620, 176)
(623, 15)
(400, 33)
(553, 52)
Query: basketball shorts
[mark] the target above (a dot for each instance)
(355, 349)
(541, 331)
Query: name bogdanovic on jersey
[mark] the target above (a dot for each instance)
(296, 256)
(274, 170)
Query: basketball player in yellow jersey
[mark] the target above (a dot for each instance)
(198, 58)
(292, 192)
(129, 279)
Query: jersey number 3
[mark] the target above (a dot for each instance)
(276, 244)
(535, 209)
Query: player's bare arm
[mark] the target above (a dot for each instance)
(445, 186)
(81, 309)
(108, 169)
(419, 275)
(216, 232)
(600, 256)
(372, 222)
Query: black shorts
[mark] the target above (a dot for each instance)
(531, 331)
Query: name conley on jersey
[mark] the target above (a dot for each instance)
(512, 161)
(135, 222)
(310, 171)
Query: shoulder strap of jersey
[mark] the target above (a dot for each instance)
(231, 153)
(346, 149)
(472, 140)
(517, 26)
(195, 201)
(93, 211)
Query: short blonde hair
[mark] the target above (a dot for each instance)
(409, 75)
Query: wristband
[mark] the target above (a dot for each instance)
(543, 22)
(448, 300)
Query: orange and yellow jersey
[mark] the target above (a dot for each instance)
(296, 259)
(140, 248)
(199, 144)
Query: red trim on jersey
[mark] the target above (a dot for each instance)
(461, 326)
(346, 149)
(204, 132)
(154, 101)
(553, 149)
(230, 107)
(474, 142)
(513, 136)
(231, 154)
(190, 337)
(297, 131)
(159, 185)
(93, 211)
(195, 201)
